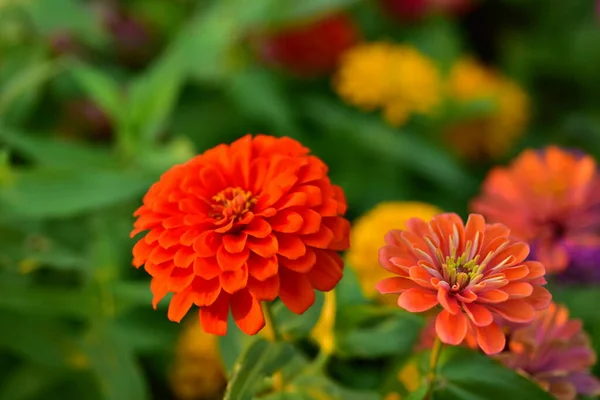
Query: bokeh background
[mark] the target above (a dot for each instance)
(98, 98)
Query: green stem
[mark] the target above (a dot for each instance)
(267, 309)
(433, 363)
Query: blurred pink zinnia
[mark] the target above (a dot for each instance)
(475, 272)
(555, 352)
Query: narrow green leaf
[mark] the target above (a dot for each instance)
(101, 88)
(466, 375)
(69, 192)
(259, 360)
(116, 369)
(55, 153)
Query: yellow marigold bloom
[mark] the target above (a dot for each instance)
(197, 372)
(489, 136)
(367, 237)
(397, 78)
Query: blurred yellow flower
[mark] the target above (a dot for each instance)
(367, 236)
(397, 78)
(323, 333)
(490, 136)
(197, 372)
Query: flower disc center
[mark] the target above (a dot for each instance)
(232, 204)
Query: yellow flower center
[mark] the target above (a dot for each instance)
(232, 204)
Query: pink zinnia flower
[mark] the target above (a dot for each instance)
(555, 352)
(475, 272)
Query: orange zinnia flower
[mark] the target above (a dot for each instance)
(475, 272)
(241, 224)
(549, 198)
(555, 352)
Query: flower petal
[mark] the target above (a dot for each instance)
(480, 315)
(490, 338)
(417, 300)
(214, 317)
(233, 281)
(266, 290)
(514, 310)
(395, 284)
(450, 328)
(327, 270)
(295, 291)
(448, 302)
(247, 312)
(180, 304)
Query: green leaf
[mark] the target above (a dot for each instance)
(32, 300)
(466, 375)
(259, 360)
(55, 153)
(101, 88)
(28, 381)
(294, 326)
(231, 346)
(419, 394)
(376, 337)
(71, 15)
(318, 387)
(113, 363)
(39, 339)
(348, 291)
(69, 192)
(271, 107)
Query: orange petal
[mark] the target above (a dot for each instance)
(286, 221)
(258, 228)
(141, 250)
(206, 244)
(214, 317)
(475, 224)
(205, 292)
(232, 281)
(395, 285)
(295, 291)
(492, 296)
(159, 255)
(207, 267)
(302, 264)
(540, 299)
(417, 300)
(235, 243)
(265, 247)
(262, 268)
(184, 257)
(266, 290)
(515, 310)
(321, 240)
(451, 329)
(517, 252)
(490, 338)
(247, 312)
(231, 261)
(180, 279)
(420, 276)
(327, 270)
(515, 273)
(518, 290)
(159, 290)
(536, 269)
(180, 304)
(290, 246)
(448, 302)
(311, 221)
(480, 315)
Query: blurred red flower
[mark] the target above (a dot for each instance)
(555, 352)
(241, 224)
(550, 198)
(310, 48)
(475, 272)
(414, 10)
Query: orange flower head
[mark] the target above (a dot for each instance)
(555, 352)
(475, 272)
(549, 198)
(242, 224)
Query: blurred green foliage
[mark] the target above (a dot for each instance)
(76, 318)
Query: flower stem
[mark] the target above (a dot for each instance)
(270, 322)
(433, 362)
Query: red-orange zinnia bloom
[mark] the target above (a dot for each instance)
(549, 198)
(555, 352)
(241, 224)
(475, 271)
